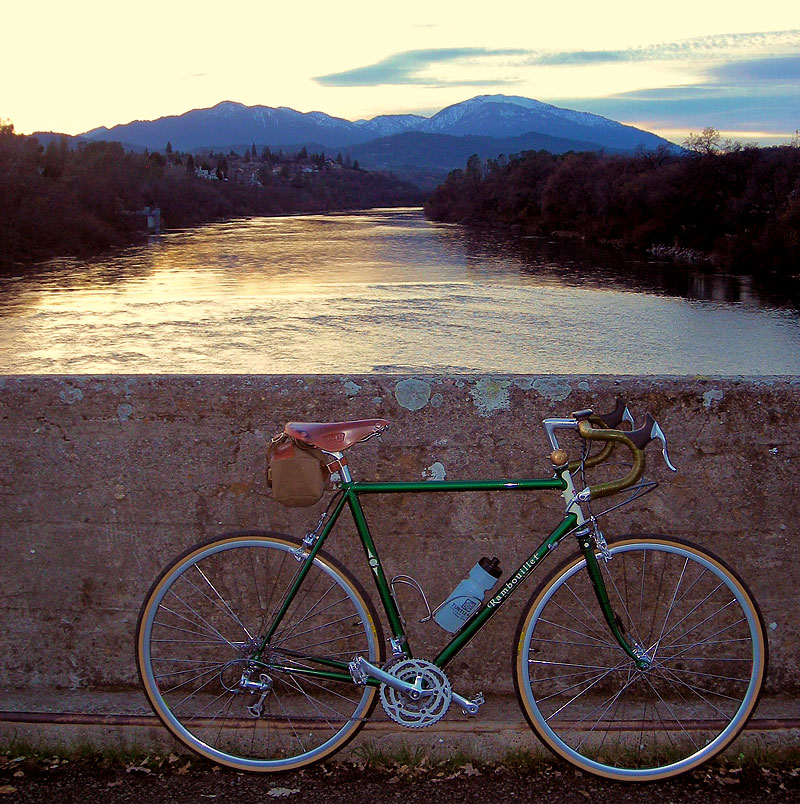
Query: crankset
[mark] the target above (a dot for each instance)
(414, 709)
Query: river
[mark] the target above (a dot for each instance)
(385, 291)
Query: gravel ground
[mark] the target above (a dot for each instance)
(160, 780)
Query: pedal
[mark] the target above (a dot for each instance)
(357, 672)
(469, 707)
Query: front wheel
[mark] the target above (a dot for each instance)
(685, 611)
(202, 623)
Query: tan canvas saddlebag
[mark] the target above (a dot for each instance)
(297, 473)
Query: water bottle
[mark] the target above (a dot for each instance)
(465, 599)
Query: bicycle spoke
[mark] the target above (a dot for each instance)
(203, 682)
(224, 602)
(695, 626)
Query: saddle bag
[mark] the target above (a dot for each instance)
(297, 474)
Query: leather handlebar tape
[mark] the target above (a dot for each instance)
(614, 437)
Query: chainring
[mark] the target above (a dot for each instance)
(426, 710)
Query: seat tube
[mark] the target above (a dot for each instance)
(389, 605)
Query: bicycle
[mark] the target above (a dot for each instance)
(636, 659)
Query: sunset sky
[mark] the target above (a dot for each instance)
(669, 68)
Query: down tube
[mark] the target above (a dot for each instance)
(513, 583)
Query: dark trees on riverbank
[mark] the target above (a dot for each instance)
(741, 208)
(60, 201)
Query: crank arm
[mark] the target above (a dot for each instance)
(361, 669)
(469, 707)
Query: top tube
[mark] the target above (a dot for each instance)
(425, 486)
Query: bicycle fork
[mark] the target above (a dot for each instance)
(591, 539)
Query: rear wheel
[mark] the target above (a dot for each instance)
(694, 620)
(200, 624)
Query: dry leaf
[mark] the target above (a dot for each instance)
(7, 789)
(282, 792)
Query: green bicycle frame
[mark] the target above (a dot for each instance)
(352, 490)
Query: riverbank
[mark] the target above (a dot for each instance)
(740, 210)
(58, 202)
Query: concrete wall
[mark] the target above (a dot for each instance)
(104, 479)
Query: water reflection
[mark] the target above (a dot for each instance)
(582, 264)
(385, 290)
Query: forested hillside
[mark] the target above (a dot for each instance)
(62, 201)
(740, 207)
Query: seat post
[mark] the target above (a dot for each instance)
(339, 464)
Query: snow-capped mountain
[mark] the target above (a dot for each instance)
(511, 116)
(386, 125)
(229, 123)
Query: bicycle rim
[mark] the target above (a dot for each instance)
(695, 621)
(199, 625)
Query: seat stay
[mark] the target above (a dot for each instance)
(305, 555)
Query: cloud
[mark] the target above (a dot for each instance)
(746, 94)
(721, 46)
(727, 107)
(409, 67)
(741, 81)
(783, 68)
(415, 67)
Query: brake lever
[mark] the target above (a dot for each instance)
(657, 434)
(615, 418)
(627, 416)
(651, 431)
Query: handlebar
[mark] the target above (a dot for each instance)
(613, 437)
(602, 427)
(607, 421)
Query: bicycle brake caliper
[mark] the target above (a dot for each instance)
(310, 539)
(601, 542)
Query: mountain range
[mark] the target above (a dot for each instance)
(411, 145)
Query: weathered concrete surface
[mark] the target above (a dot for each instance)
(104, 479)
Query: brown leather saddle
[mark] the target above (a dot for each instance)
(335, 436)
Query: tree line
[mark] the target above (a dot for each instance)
(738, 207)
(60, 200)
